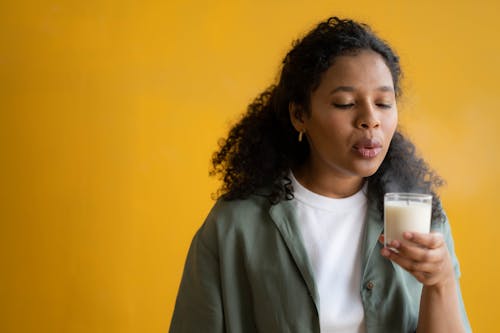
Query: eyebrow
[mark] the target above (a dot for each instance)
(351, 89)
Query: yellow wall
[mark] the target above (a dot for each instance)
(110, 110)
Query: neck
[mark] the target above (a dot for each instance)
(326, 183)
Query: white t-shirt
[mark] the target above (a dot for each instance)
(332, 231)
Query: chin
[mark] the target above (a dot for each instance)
(367, 171)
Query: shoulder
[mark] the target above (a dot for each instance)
(229, 216)
(236, 209)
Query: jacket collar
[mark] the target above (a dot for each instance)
(373, 228)
(284, 216)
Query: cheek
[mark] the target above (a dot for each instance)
(328, 136)
(390, 125)
(328, 127)
(341, 124)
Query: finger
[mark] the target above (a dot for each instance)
(431, 240)
(420, 254)
(410, 265)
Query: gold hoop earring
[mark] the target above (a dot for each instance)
(300, 136)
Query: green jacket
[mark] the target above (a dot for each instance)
(247, 271)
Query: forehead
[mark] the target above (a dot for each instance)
(365, 69)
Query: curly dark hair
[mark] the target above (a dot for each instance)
(262, 147)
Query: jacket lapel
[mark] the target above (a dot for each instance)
(283, 216)
(373, 228)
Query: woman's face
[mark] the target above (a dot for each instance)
(352, 118)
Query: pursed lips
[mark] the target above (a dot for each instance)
(368, 147)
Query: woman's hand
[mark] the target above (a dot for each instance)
(425, 256)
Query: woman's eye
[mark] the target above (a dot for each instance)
(343, 106)
(384, 106)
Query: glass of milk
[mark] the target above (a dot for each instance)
(406, 212)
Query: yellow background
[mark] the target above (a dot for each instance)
(110, 111)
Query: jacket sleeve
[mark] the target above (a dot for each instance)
(446, 230)
(198, 306)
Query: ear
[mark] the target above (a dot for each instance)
(296, 116)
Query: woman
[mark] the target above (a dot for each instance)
(294, 244)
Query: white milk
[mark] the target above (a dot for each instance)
(403, 216)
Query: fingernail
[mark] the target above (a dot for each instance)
(407, 235)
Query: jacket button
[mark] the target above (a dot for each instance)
(370, 285)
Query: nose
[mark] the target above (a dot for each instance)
(367, 117)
